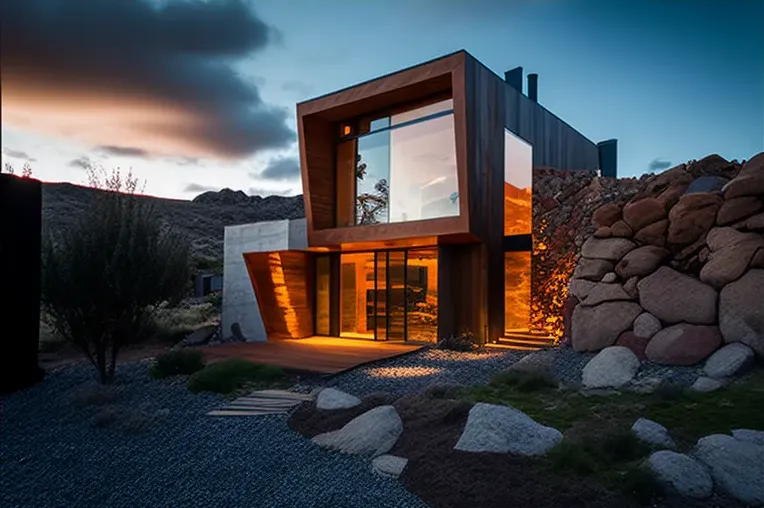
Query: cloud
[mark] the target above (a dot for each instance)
(255, 191)
(658, 165)
(80, 162)
(18, 154)
(153, 76)
(196, 187)
(279, 168)
(300, 88)
(124, 151)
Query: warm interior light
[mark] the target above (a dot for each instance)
(346, 130)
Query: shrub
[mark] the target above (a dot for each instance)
(464, 342)
(229, 375)
(182, 362)
(102, 276)
(623, 446)
(572, 457)
(523, 381)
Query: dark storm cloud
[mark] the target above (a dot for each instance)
(280, 168)
(175, 57)
(124, 151)
(195, 187)
(658, 165)
(18, 154)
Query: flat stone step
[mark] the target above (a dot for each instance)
(263, 402)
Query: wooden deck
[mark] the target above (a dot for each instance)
(320, 355)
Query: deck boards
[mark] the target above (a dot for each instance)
(263, 402)
(320, 355)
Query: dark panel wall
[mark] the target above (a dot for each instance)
(485, 104)
(462, 294)
(20, 225)
(555, 143)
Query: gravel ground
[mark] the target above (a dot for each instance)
(52, 455)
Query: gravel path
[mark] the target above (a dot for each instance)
(51, 454)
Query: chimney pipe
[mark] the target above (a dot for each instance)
(533, 87)
(514, 78)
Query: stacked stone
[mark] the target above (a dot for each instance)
(678, 270)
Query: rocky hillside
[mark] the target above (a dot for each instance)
(201, 219)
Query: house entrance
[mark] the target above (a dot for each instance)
(383, 295)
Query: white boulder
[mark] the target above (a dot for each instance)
(749, 436)
(332, 398)
(503, 429)
(652, 433)
(683, 474)
(372, 433)
(613, 367)
(730, 360)
(737, 467)
(390, 466)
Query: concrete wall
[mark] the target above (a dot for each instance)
(239, 301)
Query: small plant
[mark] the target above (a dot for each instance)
(572, 457)
(523, 381)
(182, 362)
(464, 342)
(227, 376)
(622, 447)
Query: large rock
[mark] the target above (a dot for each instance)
(755, 222)
(728, 264)
(641, 261)
(728, 361)
(674, 297)
(332, 398)
(654, 234)
(637, 345)
(736, 209)
(389, 466)
(683, 344)
(692, 217)
(580, 288)
(606, 215)
(503, 429)
(604, 292)
(592, 269)
(622, 230)
(646, 325)
(745, 185)
(737, 467)
(706, 384)
(610, 249)
(613, 367)
(753, 166)
(708, 183)
(643, 212)
(652, 433)
(681, 473)
(749, 436)
(372, 433)
(741, 311)
(597, 327)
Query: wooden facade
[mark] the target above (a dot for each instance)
(470, 245)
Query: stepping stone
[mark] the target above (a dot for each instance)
(264, 402)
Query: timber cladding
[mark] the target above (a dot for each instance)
(284, 286)
(318, 127)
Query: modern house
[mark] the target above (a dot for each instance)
(418, 202)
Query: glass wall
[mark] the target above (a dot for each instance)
(422, 294)
(323, 295)
(405, 166)
(357, 295)
(518, 185)
(517, 291)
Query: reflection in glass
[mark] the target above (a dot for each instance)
(422, 294)
(356, 286)
(372, 174)
(518, 178)
(396, 295)
(517, 291)
(421, 112)
(380, 299)
(423, 179)
(323, 288)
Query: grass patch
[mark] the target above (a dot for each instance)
(230, 376)
(523, 381)
(182, 362)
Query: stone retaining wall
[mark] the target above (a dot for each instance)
(670, 265)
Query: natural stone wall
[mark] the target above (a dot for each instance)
(674, 266)
(563, 204)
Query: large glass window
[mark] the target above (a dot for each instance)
(405, 166)
(323, 288)
(518, 188)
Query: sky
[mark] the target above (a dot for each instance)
(197, 95)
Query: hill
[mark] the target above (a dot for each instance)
(202, 219)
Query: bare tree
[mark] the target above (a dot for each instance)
(370, 206)
(102, 278)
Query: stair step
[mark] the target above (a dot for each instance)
(528, 342)
(514, 347)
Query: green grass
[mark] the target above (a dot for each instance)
(235, 375)
(598, 443)
(182, 362)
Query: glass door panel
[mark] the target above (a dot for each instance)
(422, 294)
(380, 296)
(323, 301)
(356, 280)
(396, 295)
